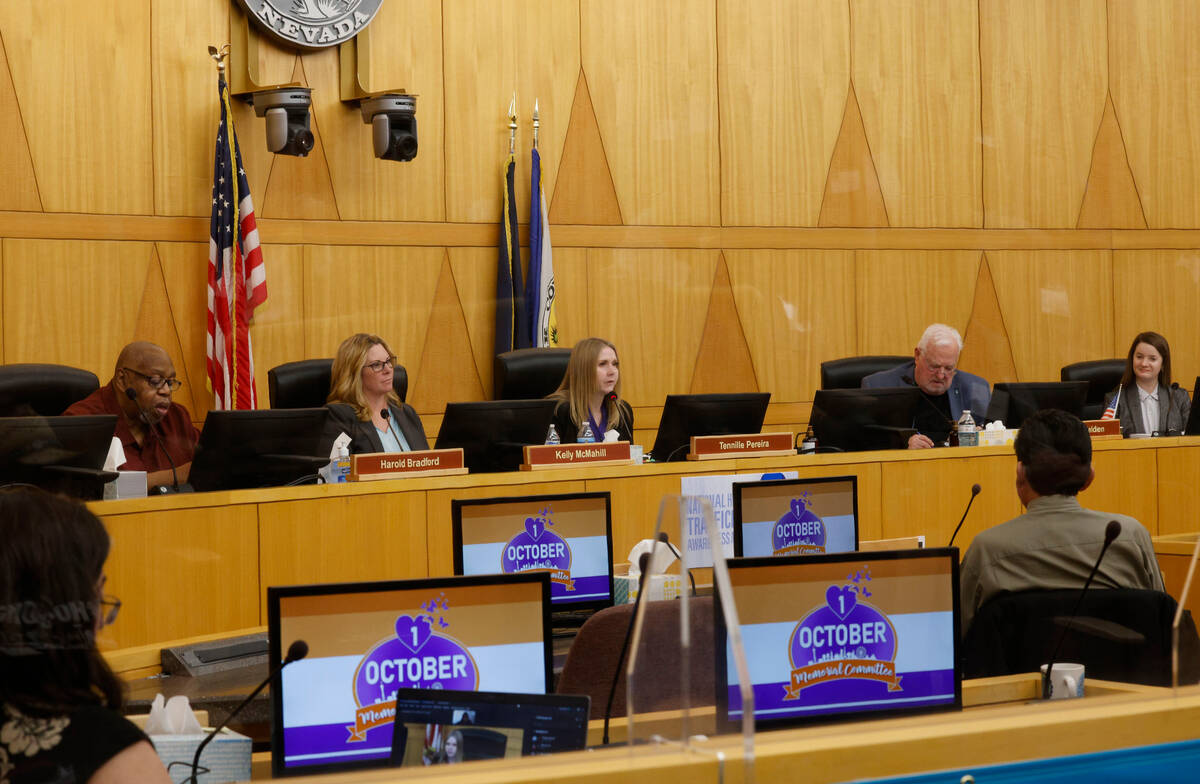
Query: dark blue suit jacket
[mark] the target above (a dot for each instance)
(967, 390)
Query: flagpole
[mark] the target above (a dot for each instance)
(512, 126)
(535, 123)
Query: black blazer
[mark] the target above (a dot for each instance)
(1173, 408)
(568, 431)
(364, 438)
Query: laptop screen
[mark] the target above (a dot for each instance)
(839, 636)
(568, 536)
(367, 640)
(795, 516)
(436, 727)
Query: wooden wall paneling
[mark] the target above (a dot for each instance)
(584, 190)
(654, 317)
(16, 161)
(571, 294)
(928, 496)
(1126, 484)
(1158, 293)
(345, 539)
(440, 531)
(723, 363)
(386, 291)
(185, 105)
(652, 72)
(901, 292)
(1111, 198)
(530, 47)
(1044, 77)
(920, 107)
(78, 99)
(1178, 478)
(798, 310)
(156, 322)
(197, 575)
(1064, 294)
(96, 290)
(257, 160)
(475, 279)
(987, 351)
(277, 334)
(405, 53)
(1154, 54)
(852, 196)
(302, 187)
(783, 76)
(447, 370)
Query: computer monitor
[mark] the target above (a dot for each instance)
(434, 727)
(858, 420)
(1012, 403)
(493, 433)
(268, 447)
(851, 635)
(685, 416)
(1193, 423)
(568, 536)
(334, 708)
(810, 516)
(63, 454)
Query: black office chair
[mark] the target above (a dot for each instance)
(592, 660)
(848, 373)
(1119, 635)
(305, 384)
(1102, 376)
(43, 390)
(529, 373)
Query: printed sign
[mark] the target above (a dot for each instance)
(719, 492)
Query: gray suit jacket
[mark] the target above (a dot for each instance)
(1173, 408)
(364, 438)
(967, 391)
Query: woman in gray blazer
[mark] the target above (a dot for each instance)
(1149, 403)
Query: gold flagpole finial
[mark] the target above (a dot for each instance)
(512, 125)
(536, 123)
(219, 56)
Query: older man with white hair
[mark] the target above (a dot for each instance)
(947, 390)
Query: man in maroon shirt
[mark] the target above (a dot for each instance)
(154, 431)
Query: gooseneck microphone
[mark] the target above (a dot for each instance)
(387, 418)
(150, 426)
(1111, 532)
(662, 537)
(643, 563)
(975, 488)
(295, 652)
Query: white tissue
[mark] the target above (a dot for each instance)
(610, 436)
(662, 557)
(173, 718)
(997, 425)
(327, 471)
(116, 455)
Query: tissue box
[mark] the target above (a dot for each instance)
(997, 437)
(128, 484)
(658, 586)
(227, 756)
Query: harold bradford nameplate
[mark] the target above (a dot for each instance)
(396, 465)
(312, 24)
(757, 445)
(569, 455)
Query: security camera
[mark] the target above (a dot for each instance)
(393, 121)
(286, 110)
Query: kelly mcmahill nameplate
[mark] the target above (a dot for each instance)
(757, 445)
(397, 465)
(312, 24)
(573, 455)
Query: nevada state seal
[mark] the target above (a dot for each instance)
(312, 24)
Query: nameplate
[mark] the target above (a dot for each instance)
(757, 445)
(576, 455)
(398, 465)
(1103, 429)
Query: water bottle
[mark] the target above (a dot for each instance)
(552, 438)
(586, 436)
(342, 472)
(809, 445)
(967, 436)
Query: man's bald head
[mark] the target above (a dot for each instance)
(141, 353)
(143, 379)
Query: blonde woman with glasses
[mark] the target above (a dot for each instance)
(362, 403)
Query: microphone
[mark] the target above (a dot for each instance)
(662, 537)
(975, 488)
(1111, 532)
(643, 562)
(129, 393)
(295, 652)
(387, 418)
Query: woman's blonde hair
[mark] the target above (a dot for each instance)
(345, 383)
(579, 383)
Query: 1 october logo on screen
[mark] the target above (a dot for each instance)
(536, 548)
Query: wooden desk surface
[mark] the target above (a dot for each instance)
(189, 565)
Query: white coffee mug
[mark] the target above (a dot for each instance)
(1066, 682)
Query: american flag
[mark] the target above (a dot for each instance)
(1111, 411)
(237, 278)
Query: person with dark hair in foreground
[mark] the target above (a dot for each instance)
(59, 700)
(1055, 543)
